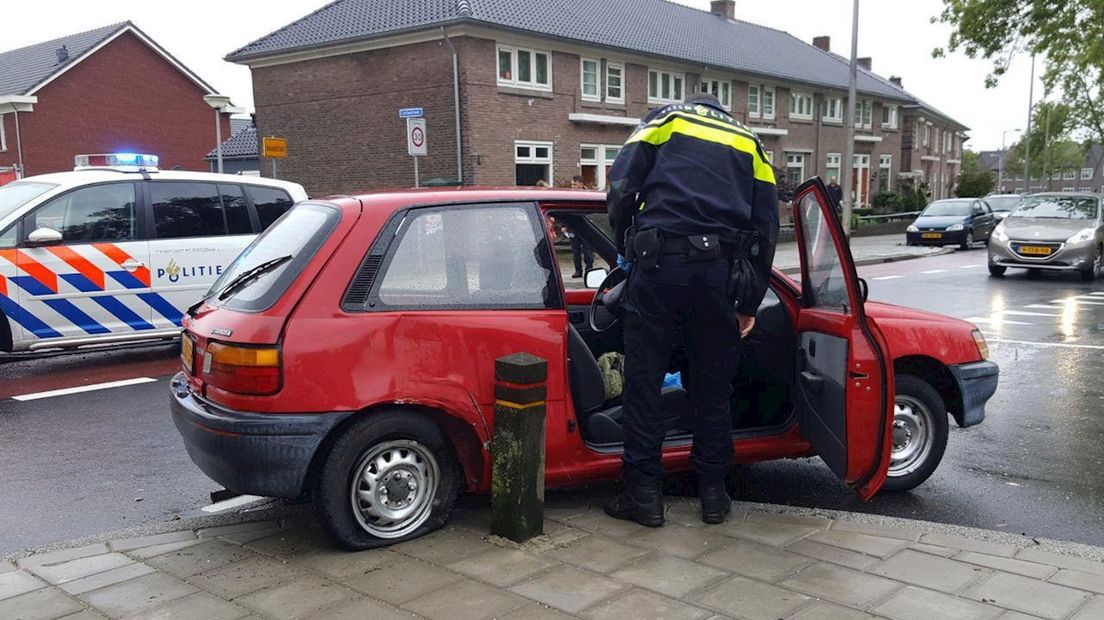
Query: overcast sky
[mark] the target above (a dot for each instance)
(897, 35)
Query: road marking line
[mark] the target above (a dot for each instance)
(84, 388)
(230, 504)
(970, 266)
(1065, 345)
(887, 277)
(1045, 307)
(931, 271)
(1097, 293)
(1022, 313)
(982, 319)
(1074, 300)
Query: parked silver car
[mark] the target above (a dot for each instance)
(1058, 231)
(1003, 204)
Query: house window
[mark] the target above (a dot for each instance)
(801, 106)
(615, 82)
(832, 162)
(754, 110)
(831, 110)
(721, 89)
(889, 116)
(594, 163)
(1086, 173)
(588, 69)
(925, 134)
(770, 156)
(1056, 176)
(1069, 175)
(948, 142)
(768, 102)
(795, 168)
(1069, 190)
(532, 163)
(885, 173)
(862, 114)
(664, 87)
(3, 138)
(524, 68)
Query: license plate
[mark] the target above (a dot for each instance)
(1036, 250)
(931, 236)
(187, 352)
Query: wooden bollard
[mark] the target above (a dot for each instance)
(517, 450)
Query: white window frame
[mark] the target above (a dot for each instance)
(764, 90)
(755, 110)
(709, 85)
(1069, 175)
(864, 111)
(796, 97)
(600, 160)
(669, 77)
(828, 167)
(885, 164)
(795, 160)
(3, 137)
(621, 84)
(889, 110)
(514, 81)
(948, 142)
(1086, 173)
(926, 135)
(533, 159)
(770, 157)
(837, 118)
(597, 96)
(1069, 190)
(1056, 175)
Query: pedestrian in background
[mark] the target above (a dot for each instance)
(835, 192)
(581, 252)
(694, 209)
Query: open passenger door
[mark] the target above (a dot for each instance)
(844, 386)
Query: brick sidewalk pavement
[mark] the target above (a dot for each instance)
(758, 565)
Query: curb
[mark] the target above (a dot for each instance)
(892, 258)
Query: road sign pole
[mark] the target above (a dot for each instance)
(416, 181)
(274, 168)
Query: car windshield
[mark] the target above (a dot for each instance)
(1057, 208)
(1003, 203)
(948, 207)
(15, 195)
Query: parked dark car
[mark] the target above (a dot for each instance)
(954, 221)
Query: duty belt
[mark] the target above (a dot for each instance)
(697, 243)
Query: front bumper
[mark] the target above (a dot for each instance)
(954, 237)
(1066, 257)
(977, 382)
(254, 453)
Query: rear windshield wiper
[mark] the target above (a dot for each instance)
(251, 274)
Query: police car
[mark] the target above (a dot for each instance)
(116, 250)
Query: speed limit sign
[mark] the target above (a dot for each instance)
(416, 136)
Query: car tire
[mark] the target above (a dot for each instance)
(1093, 272)
(968, 241)
(997, 270)
(401, 451)
(920, 429)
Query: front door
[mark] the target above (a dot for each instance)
(843, 395)
(860, 180)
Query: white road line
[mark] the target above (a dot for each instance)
(1022, 313)
(1063, 345)
(1045, 307)
(1074, 300)
(1097, 293)
(971, 266)
(230, 504)
(931, 271)
(982, 319)
(887, 277)
(84, 388)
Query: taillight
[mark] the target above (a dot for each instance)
(242, 369)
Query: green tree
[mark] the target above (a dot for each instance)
(975, 179)
(1050, 143)
(1069, 34)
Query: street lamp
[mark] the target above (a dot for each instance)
(1000, 161)
(221, 104)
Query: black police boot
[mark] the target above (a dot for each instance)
(640, 500)
(714, 500)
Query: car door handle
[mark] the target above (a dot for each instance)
(813, 381)
(132, 264)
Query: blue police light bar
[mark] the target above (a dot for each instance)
(139, 160)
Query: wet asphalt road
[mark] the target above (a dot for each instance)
(77, 465)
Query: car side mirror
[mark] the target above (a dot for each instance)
(43, 237)
(864, 289)
(595, 277)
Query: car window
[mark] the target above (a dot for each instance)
(237, 214)
(948, 207)
(95, 213)
(826, 287)
(270, 203)
(7, 238)
(1057, 207)
(186, 209)
(15, 195)
(478, 257)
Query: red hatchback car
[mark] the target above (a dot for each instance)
(349, 353)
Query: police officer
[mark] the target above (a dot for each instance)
(694, 208)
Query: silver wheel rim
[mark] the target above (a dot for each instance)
(969, 238)
(393, 488)
(913, 436)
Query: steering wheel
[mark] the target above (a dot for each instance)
(607, 301)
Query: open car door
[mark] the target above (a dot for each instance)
(844, 387)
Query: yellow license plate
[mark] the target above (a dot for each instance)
(931, 236)
(1035, 250)
(187, 352)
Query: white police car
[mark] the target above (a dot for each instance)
(116, 250)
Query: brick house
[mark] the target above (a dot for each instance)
(544, 90)
(106, 90)
(1088, 177)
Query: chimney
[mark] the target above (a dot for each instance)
(865, 62)
(895, 80)
(723, 8)
(62, 55)
(823, 43)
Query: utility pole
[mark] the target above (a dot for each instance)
(1046, 140)
(849, 155)
(1027, 142)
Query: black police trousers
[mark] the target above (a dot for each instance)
(688, 300)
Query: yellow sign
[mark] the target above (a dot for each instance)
(275, 148)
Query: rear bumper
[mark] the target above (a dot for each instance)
(254, 453)
(946, 238)
(977, 382)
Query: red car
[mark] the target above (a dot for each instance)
(349, 353)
